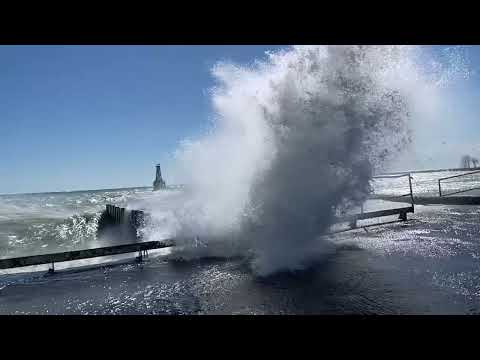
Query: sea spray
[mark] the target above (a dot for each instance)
(296, 138)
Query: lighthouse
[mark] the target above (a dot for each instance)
(158, 183)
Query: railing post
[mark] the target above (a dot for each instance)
(439, 188)
(410, 184)
(353, 224)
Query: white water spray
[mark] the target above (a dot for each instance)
(295, 138)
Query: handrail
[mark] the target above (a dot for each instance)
(461, 191)
(352, 219)
(375, 214)
(390, 176)
(52, 258)
(399, 176)
(455, 176)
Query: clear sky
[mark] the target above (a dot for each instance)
(87, 117)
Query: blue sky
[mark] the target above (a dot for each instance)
(65, 111)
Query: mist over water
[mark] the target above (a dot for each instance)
(295, 139)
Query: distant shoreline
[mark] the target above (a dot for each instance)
(77, 191)
(146, 187)
(92, 190)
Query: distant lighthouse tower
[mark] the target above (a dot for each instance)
(158, 183)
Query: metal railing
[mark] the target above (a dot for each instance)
(402, 211)
(455, 176)
(118, 217)
(53, 258)
(410, 194)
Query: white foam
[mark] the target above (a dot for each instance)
(293, 139)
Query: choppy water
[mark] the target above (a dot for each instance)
(39, 223)
(48, 222)
(428, 265)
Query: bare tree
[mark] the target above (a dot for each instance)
(474, 162)
(466, 159)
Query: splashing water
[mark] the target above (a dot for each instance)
(295, 138)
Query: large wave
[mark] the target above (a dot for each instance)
(295, 138)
